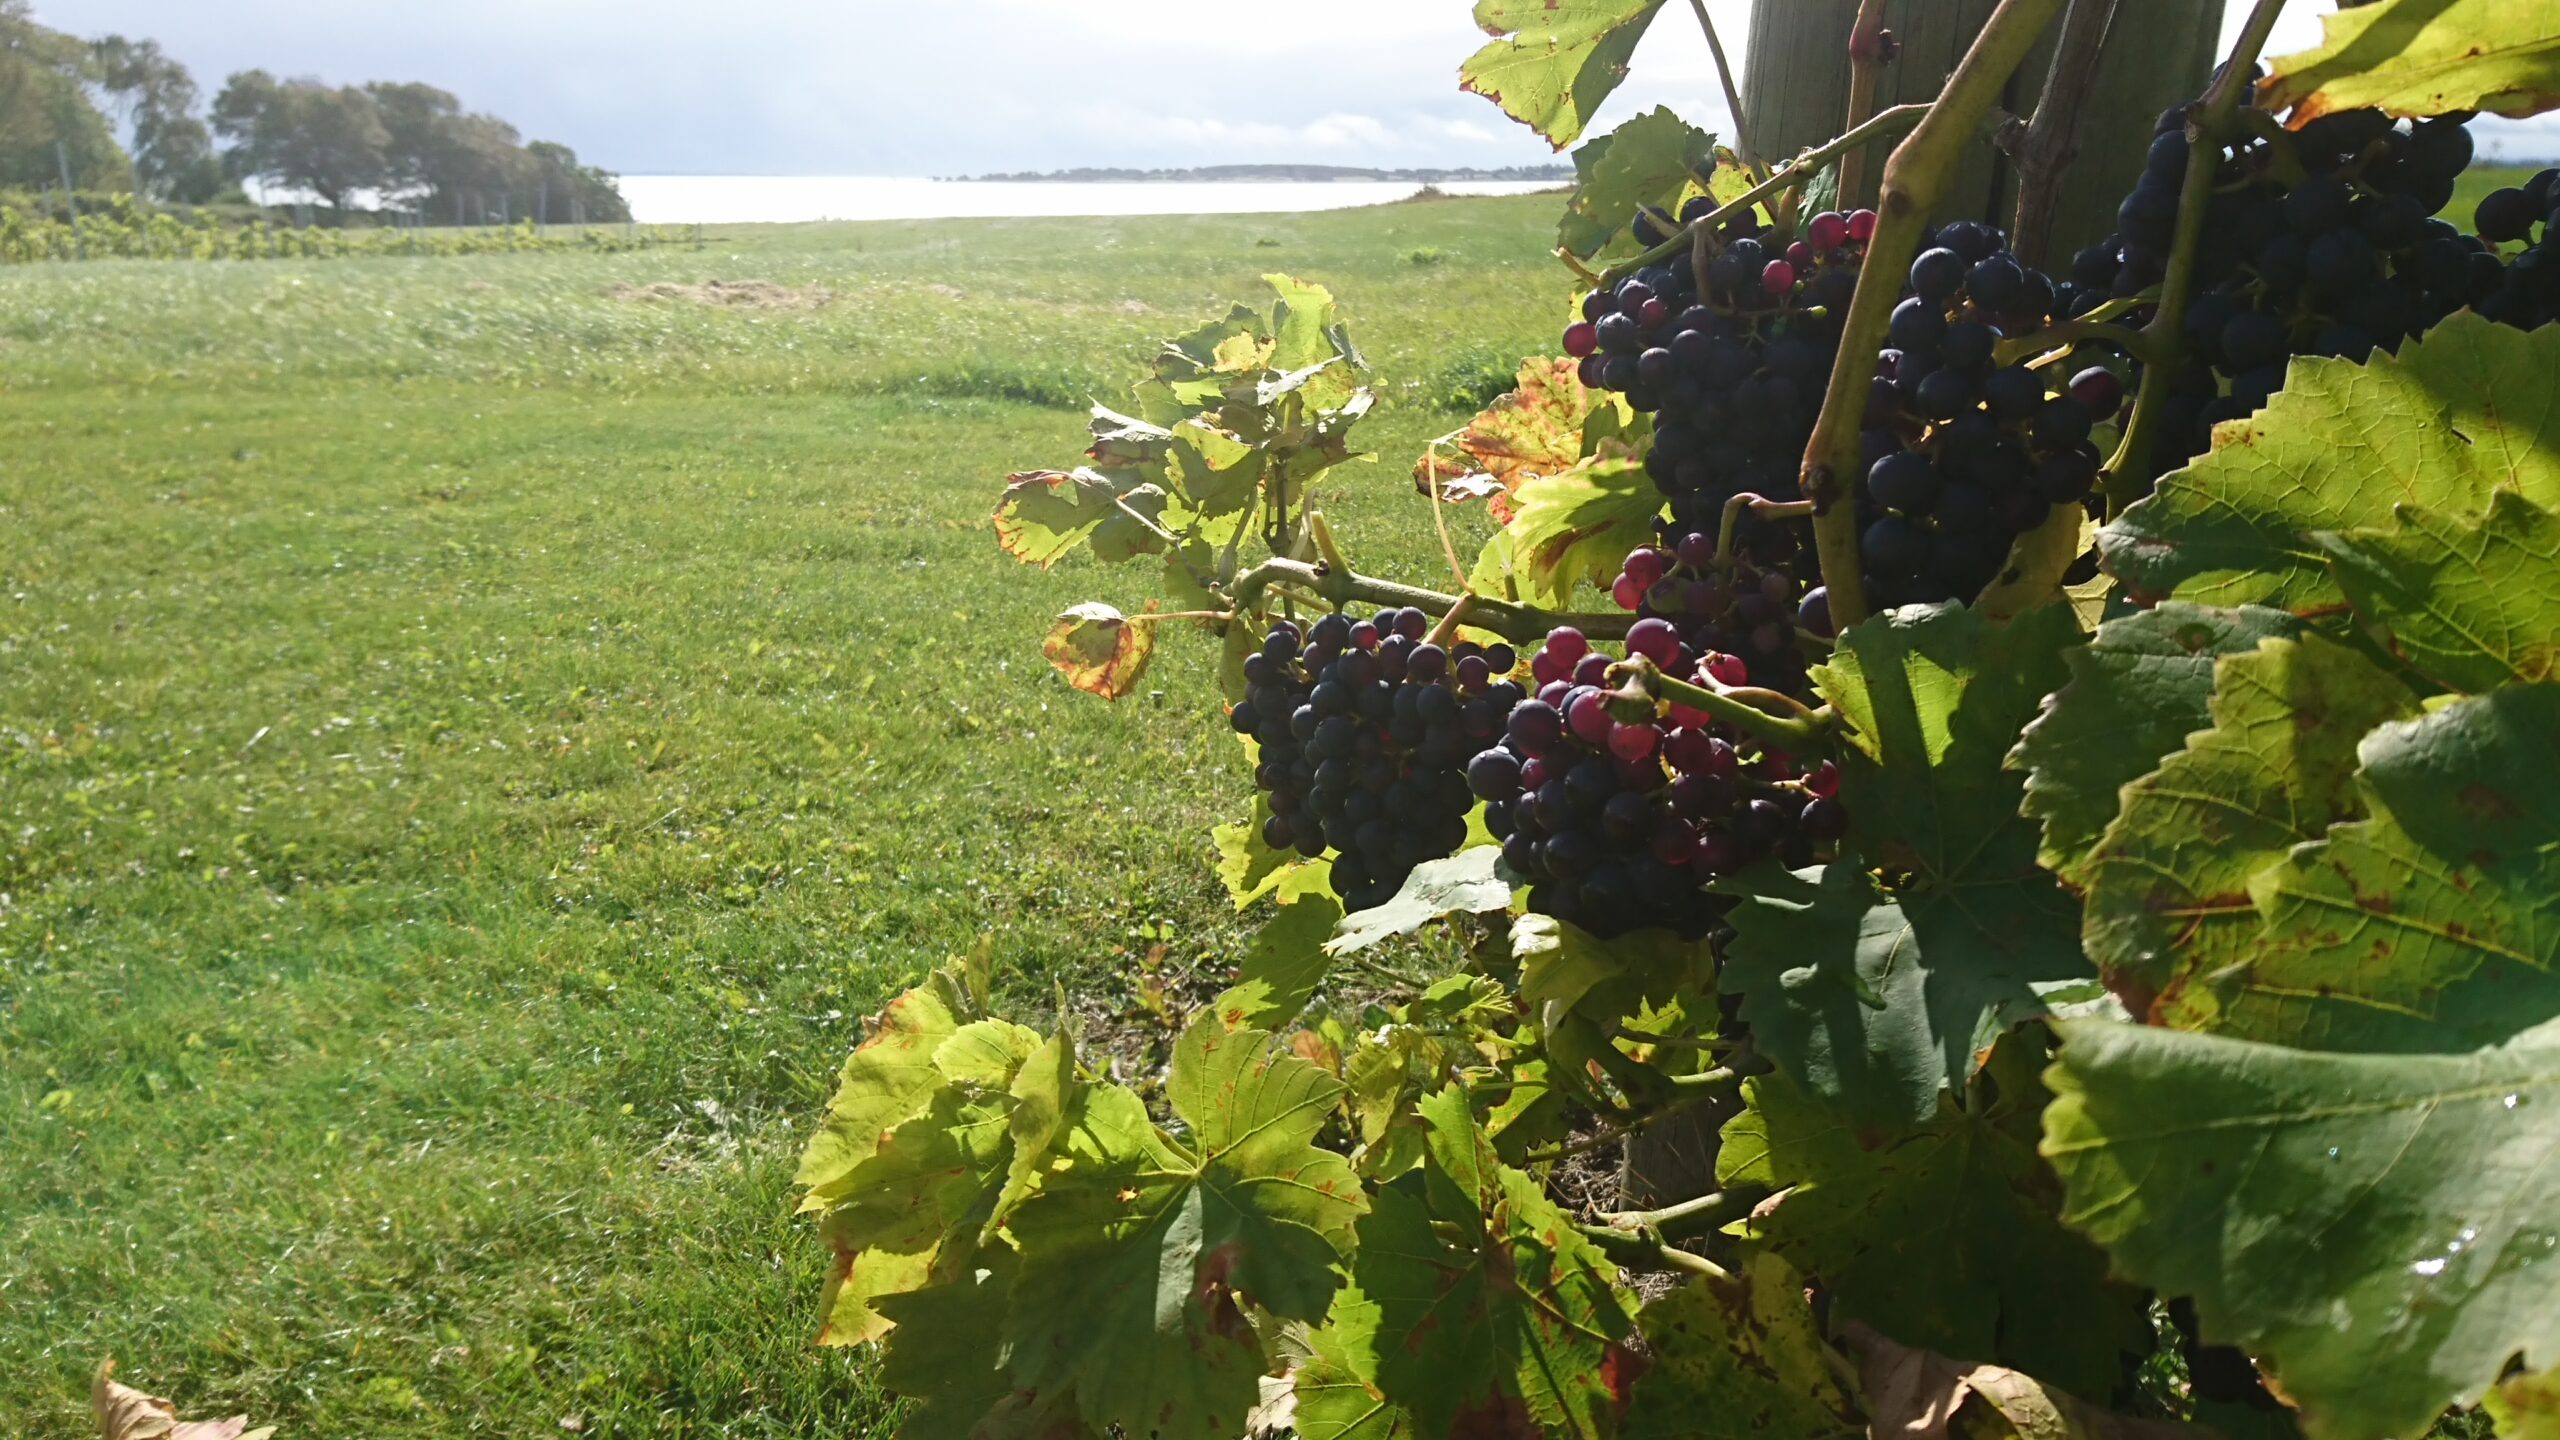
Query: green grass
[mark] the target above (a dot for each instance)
(472, 748)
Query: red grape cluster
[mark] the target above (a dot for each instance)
(1620, 810)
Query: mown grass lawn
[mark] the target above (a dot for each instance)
(472, 747)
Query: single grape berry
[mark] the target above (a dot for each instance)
(1581, 339)
(1937, 274)
(1862, 225)
(1778, 277)
(2098, 389)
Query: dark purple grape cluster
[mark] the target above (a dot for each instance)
(1366, 729)
(1619, 820)
(1741, 612)
(1965, 447)
(2528, 294)
(1732, 370)
(2321, 242)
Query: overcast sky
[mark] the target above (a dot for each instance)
(945, 87)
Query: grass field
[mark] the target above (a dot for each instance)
(472, 746)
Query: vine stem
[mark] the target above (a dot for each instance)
(1914, 179)
(1791, 176)
(1507, 618)
(2068, 334)
(2051, 137)
(1732, 92)
(1760, 505)
(1866, 67)
(1648, 1252)
(1796, 734)
(2130, 471)
(1706, 1212)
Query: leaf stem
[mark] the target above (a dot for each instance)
(1507, 618)
(1732, 92)
(1796, 734)
(2130, 471)
(1790, 176)
(1915, 177)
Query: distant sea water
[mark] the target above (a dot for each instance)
(753, 199)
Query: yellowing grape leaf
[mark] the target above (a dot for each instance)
(1535, 430)
(888, 1079)
(1552, 62)
(1045, 514)
(2136, 692)
(2467, 410)
(2424, 57)
(2169, 881)
(2380, 1231)
(1652, 162)
(1100, 651)
(2472, 602)
(2433, 926)
(1919, 1395)
(1739, 1360)
(124, 1413)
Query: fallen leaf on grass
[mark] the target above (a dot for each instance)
(125, 1413)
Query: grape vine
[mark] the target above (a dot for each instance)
(2012, 807)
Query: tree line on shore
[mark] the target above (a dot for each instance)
(119, 114)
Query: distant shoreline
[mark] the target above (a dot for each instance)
(1301, 174)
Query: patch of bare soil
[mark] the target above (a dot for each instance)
(732, 294)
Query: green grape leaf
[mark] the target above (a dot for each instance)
(2470, 408)
(2469, 603)
(1307, 337)
(2379, 1230)
(2136, 692)
(1215, 477)
(1044, 515)
(2433, 926)
(851, 1306)
(1943, 1234)
(1463, 883)
(1651, 162)
(1337, 1382)
(1282, 968)
(887, 1080)
(2168, 884)
(1140, 1252)
(1495, 1313)
(1552, 62)
(1875, 1004)
(1739, 1361)
(1878, 998)
(1578, 526)
(1933, 698)
(1099, 650)
(2424, 57)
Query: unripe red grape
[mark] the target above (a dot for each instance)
(1862, 225)
(1656, 640)
(1581, 339)
(1777, 277)
(1828, 230)
(1632, 743)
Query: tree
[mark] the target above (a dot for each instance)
(419, 121)
(326, 139)
(567, 190)
(44, 103)
(152, 92)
